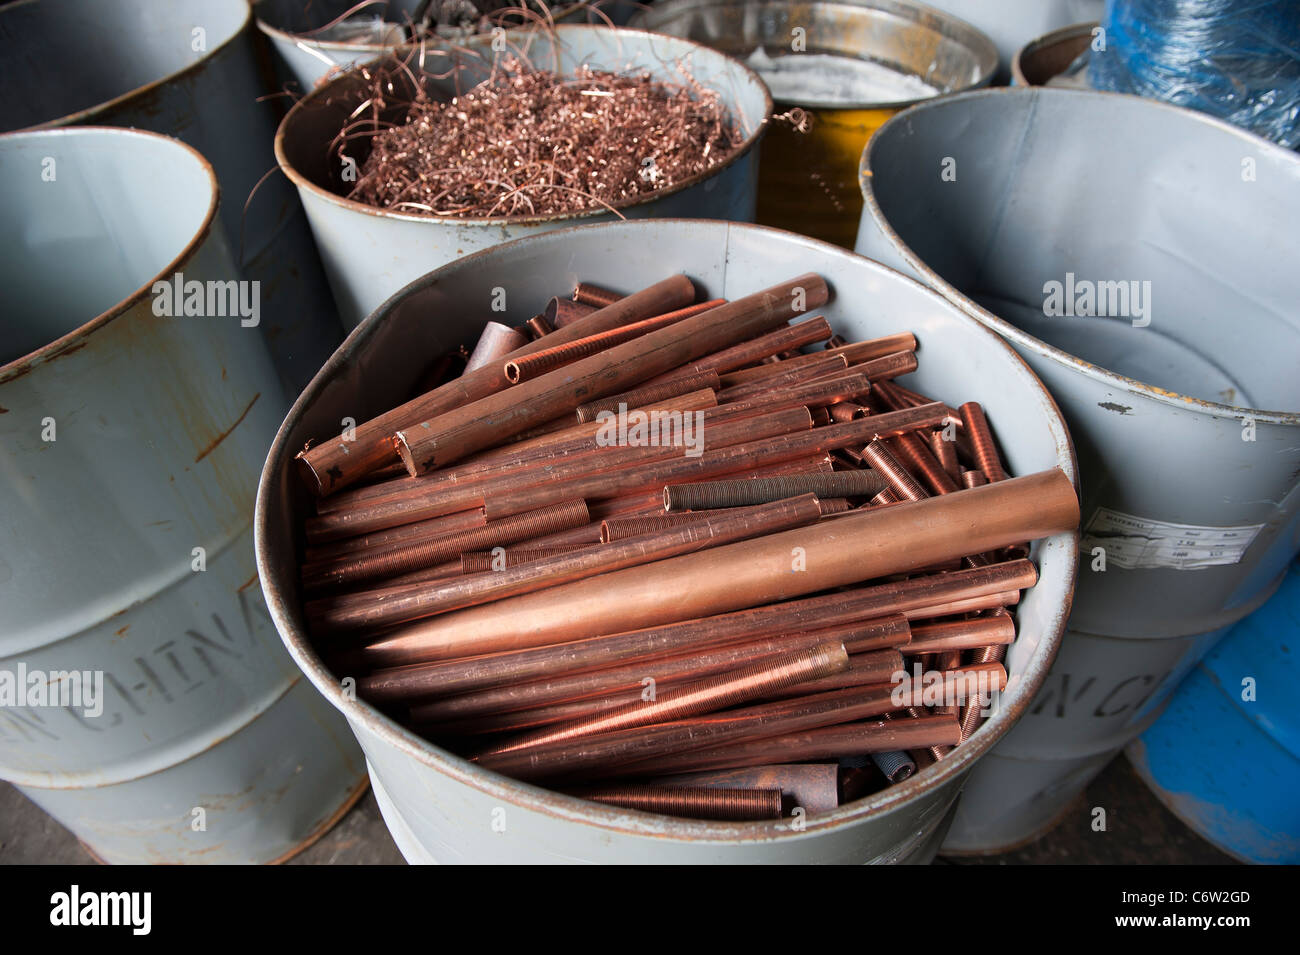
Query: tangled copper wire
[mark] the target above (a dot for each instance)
(529, 142)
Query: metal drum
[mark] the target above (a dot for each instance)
(808, 178)
(1225, 756)
(370, 253)
(1040, 61)
(1010, 24)
(293, 28)
(1150, 288)
(187, 69)
(144, 700)
(441, 807)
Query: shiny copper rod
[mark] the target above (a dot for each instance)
(495, 343)
(738, 385)
(977, 430)
(480, 562)
(932, 637)
(335, 463)
(703, 696)
(527, 367)
(399, 605)
(648, 395)
(813, 394)
(857, 352)
(733, 805)
(781, 340)
(830, 742)
(857, 546)
(813, 788)
(448, 437)
(324, 545)
(719, 494)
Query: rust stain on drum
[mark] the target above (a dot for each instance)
(212, 446)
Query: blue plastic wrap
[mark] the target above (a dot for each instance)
(1235, 59)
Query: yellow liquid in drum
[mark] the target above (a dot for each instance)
(808, 182)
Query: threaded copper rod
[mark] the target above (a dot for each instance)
(478, 562)
(740, 385)
(916, 453)
(703, 696)
(756, 349)
(527, 367)
(985, 449)
(945, 452)
(619, 529)
(407, 557)
(973, 478)
(649, 394)
(710, 495)
(584, 293)
(735, 805)
(902, 485)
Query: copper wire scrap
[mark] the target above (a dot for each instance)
(530, 142)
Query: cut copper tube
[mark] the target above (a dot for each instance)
(333, 464)
(817, 617)
(612, 682)
(813, 788)
(632, 751)
(887, 366)
(584, 293)
(722, 494)
(836, 341)
(857, 546)
(847, 411)
(354, 568)
(902, 485)
(703, 696)
(939, 635)
(857, 352)
(480, 562)
(884, 498)
(835, 505)
(734, 805)
(528, 367)
(973, 478)
(985, 450)
(622, 528)
(564, 311)
(539, 327)
(812, 394)
(490, 420)
(327, 548)
(864, 669)
(648, 395)
(742, 385)
(945, 453)
(746, 353)
(389, 606)
(827, 742)
(915, 451)
(495, 343)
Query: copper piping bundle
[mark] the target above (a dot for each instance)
(639, 560)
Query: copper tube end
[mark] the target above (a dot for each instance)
(563, 311)
(538, 327)
(584, 293)
(977, 430)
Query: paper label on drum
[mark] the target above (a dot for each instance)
(1139, 542)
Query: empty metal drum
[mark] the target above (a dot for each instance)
(144, 700)
(370, 253)
(186, 69)
(1150, 287)
(1043, 60)
(297, 31)
(869, 59)
(1225, 756)
(441, 807)
(1010, 24)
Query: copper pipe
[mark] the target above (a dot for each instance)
(836, 341)
(902, 485)
(390, 606)
(812, 394)
(985, 449)
(884, 498)
(648, 395)
(723, 494)
(614, 470)
(887, 366)
(734, 805)
(857, 352)
(973, 478)
(564, 311)
(538, 327)
(864, 669)
(829, 742)
(813, 788)
(714, 463)
(354, 568)
(945, 453)
(632, 751)
(622, 528)
(847, 411)
(490, 420)
(752, 382)
(610, 682)
(972, 713)
(944, 660)
(967, 605)
(481, 562)
(528, 367)
(916, 452)
(756, 349)
(857, 546)
(494, 343)
(333, 464)
(961, 684)
(584, 293)
(935, 636)
(385, 539)
(703, 696)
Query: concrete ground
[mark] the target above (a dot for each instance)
(1140, 831)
